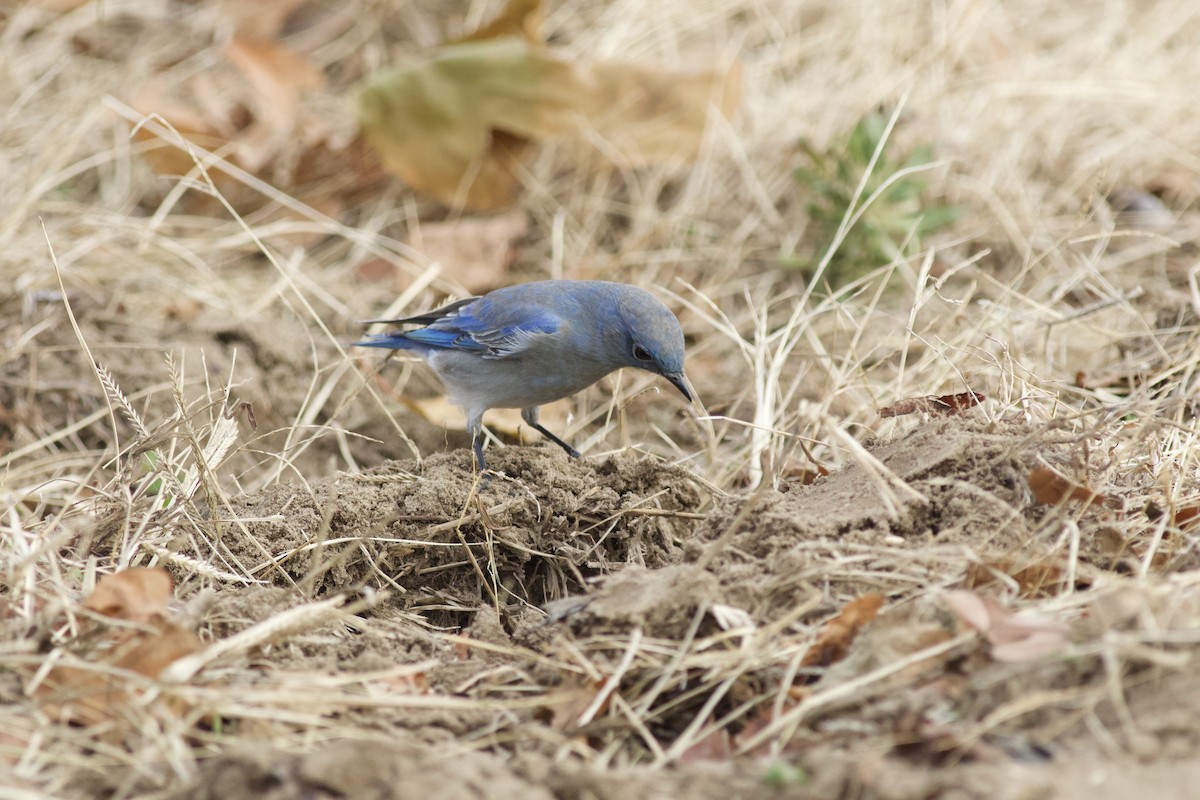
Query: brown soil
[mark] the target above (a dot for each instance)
(570, 561)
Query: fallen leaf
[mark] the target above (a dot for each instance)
(943, 405)
(139, 594)
(252, 108)
(518, 18)
(117, 654)
(457, 122)
(476, 253)
(1038, 579)
(1014, 637)
(717, 745)
(278, 78)
(89, 696)
(569, 701)
(1186, 516)
(835, 637)
(1050, 489)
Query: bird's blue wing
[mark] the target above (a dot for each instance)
(495, 328)
(491, 328)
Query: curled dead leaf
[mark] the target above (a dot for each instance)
(835, 637)
(116, 656)
(1041, 578)
(99, 692)
(943, 405)
(139, 594)
(1186, 516)
(1050, 488)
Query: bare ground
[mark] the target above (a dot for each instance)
(518, 600)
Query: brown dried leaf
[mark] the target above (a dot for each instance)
(139, 594)
(835, 637)
(568, 703)
(1050, 489)
(1186, 516)
(456, 124)
(93, 696)
(943, 405)
(1013, 637)
(1042, 578)
(716, 746)
(518, 18)
(250, 109)
(278, 77)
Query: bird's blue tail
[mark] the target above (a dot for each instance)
(392, 340)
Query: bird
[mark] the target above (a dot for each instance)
(529, 344)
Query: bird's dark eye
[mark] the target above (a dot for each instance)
(641, 353)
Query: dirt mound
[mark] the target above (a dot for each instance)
(445, 543)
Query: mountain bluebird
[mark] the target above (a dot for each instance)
(526, 345)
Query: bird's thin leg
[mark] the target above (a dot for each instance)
(475, 427)
(530, 415)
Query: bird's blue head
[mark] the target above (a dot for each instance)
(652, 338)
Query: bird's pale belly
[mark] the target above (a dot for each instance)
(474, 382)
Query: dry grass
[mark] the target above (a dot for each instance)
(161, 359)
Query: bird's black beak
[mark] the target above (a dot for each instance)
(678, 380)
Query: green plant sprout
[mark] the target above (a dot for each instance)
(888, 212)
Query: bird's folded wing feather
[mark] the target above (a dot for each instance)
(426, 318)
(479, 325)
